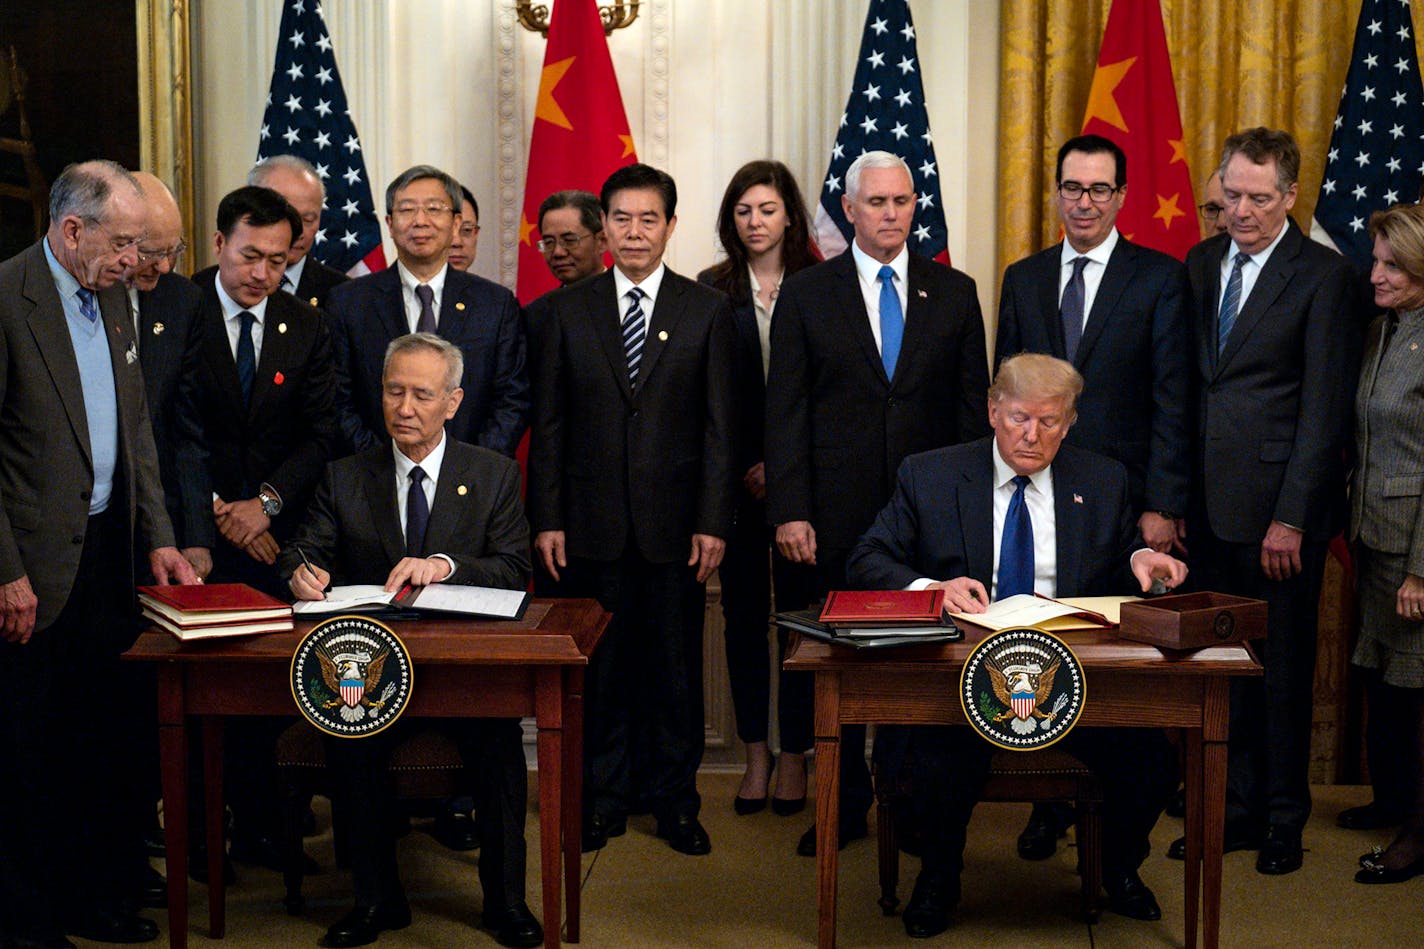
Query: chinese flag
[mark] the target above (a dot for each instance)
(580, 133)
(1134, 103)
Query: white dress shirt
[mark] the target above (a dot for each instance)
(650, 286)
(1249, 271)
(868, 269)
(412, 302)
(1092, 273)
(431, 466)
(1038, 495)
(232, 320)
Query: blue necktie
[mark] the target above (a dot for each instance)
(246, 356)
(86, 304)
(1071, 308)
(1231, 302)
(417, 514)
(1016, 546)
(634, 333)
(892, 321)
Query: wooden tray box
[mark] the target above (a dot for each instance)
(1193, 620)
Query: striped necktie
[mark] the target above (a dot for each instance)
(1231, 302)
(634, 332)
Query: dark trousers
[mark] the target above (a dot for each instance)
(63, 844)
(949, 765)
(747, 574)
(643, 687)
(1268, 767)
(804, 586)
(493, 750)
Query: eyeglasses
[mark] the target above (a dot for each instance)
(117, 244)
(469, 230)
(1210, 212)
(568, 242)
(433, 210)
(172, 254)
(1099, 193)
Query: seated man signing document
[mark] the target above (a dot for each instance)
(424, 509)
(1020, 513)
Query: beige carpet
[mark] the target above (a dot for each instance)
(752, 891)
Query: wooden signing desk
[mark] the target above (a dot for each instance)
(463, 668)
(1128, 684)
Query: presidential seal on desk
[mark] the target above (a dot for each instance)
(1022, 689)
(351, 676)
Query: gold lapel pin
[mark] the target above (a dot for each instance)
(281, 327)
(662, 336)
(157, 329)
(459, 306)
(313, 301)
(462, 490)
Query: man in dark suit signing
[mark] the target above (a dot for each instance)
(630, 498)
(306, 278)
(425, 509)
(875, 354)
(79, 493)
(423, 293)
(1118, 313)
(1278, 350)
(1020, 513)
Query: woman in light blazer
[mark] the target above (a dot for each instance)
(1387, 530)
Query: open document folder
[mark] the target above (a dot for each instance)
(1040, 612)
(436, 598)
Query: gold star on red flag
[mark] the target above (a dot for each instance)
(1101, 104)
(1167, 210)
(546, 107)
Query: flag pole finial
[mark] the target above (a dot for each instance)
(615, 15)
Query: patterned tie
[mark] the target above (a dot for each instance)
(633, 334)
(417, 514)
(1231, 302)
(892, 321)
(86, 304)
(426, 322)
(246, 356)
(1016, 545)
(287, 284)
(1071, 309)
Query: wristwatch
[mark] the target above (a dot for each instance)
(271, 500)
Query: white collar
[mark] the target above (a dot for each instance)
(430, 465)
(1099, 254)
(231, 308)
(869, 268)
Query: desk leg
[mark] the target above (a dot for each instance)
(173, 766)
(828, 779)
(548, 713)
(1192, 778)
(214, 814)
(573, 800)
(1214, 732)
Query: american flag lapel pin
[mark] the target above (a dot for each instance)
(922, 294)
(1077, 498)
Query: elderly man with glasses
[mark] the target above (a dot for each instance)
(1117, 312)
(423, 293)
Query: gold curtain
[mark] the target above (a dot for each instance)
(1281, 64)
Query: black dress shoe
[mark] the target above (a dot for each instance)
(1237, 835)
(515, 927)
(597, 829)
(1281, 851)
(1373, 870)
(1177, 804)
(364, 923)
(456, 831)
(154, 843)
(927, 913)
(748, 805)
(685, 834)
(266, 852)
(106, 924)
(151, 890)
(788, 806)
(1039, 839)
(1129, 896)
(1369, 817)
(806, 846)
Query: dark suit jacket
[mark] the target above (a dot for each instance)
(286, 435)
(940, 523)
(610, 466)
(748, 388)
(352, 526)
(1135, 357)
(169, 346)
(480, 317)
(317, 281)
(836, 427)
(1275, 407)
(46, 465)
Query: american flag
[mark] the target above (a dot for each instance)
(307, 116)
(1376, 155)
(886, 111)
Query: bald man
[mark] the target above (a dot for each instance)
(306, 278)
